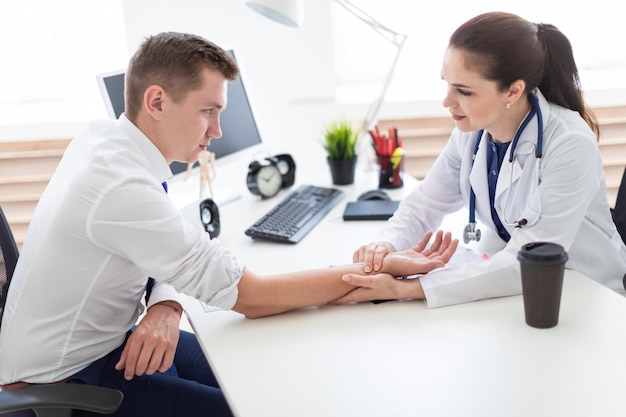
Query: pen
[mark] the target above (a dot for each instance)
(385, 145)
(395, 135)
(393, 138)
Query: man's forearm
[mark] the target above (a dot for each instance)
(267, 295)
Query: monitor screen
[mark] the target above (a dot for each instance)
(239, 127)
(112, 89)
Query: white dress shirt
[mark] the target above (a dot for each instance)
(103, 225)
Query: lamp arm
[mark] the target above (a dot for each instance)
(370, 117)
(397, 39)
(392, 36)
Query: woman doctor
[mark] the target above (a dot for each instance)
(526, 147)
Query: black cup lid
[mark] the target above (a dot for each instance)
(542, 252)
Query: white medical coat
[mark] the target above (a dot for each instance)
(574, 208)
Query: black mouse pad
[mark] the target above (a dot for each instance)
(370, 209)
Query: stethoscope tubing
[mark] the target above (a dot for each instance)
(471, 232)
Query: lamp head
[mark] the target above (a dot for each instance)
(287, 12)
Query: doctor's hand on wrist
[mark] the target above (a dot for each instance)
(379, 287)
(372, 255)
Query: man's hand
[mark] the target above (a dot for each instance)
(418, 260)
(151, 346)
(421, 259)
(373, 255)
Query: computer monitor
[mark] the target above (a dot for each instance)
(240, 130)
(112, 89)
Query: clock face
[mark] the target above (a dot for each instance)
(269, 181)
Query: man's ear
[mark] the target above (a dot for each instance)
(153, 101)
(516, 90)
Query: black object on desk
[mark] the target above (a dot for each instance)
(370, 209)
(376, 194)
(296, 215)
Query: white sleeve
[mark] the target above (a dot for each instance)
(163, 292)
(137, 221)
(497, 277)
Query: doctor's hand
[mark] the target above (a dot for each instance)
(151, 346)
(372, 255)
(379, 287)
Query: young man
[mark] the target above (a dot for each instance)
(105, 224)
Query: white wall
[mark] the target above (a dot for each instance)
(281, 65)
(289, 72)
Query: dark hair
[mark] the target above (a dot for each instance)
(174, 61)
(504, 48)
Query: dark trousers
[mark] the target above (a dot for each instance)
(188, 389)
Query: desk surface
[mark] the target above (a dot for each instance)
(400, 358)
(332, 241)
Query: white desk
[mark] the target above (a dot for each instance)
(400, 358)
(331, 242)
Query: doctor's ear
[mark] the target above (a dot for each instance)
(516, 90)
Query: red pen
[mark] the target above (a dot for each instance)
(393, 139)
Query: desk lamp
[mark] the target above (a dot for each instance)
(290, 13)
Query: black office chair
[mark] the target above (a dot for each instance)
(619, 212)
(44, 400)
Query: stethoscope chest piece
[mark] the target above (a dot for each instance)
(471, 233)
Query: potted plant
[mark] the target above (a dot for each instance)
(340, 140)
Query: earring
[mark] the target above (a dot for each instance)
(508, 106)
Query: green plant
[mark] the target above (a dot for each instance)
(340, 141)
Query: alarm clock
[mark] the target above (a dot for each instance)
(287, 167)
(268, 176)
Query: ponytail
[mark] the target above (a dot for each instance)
(560, 83)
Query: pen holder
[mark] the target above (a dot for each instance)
(391, 171)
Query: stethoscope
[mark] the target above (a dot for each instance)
(471, 232)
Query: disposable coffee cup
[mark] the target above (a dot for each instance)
(542, 265)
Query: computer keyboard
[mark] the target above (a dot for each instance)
(291, 219)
